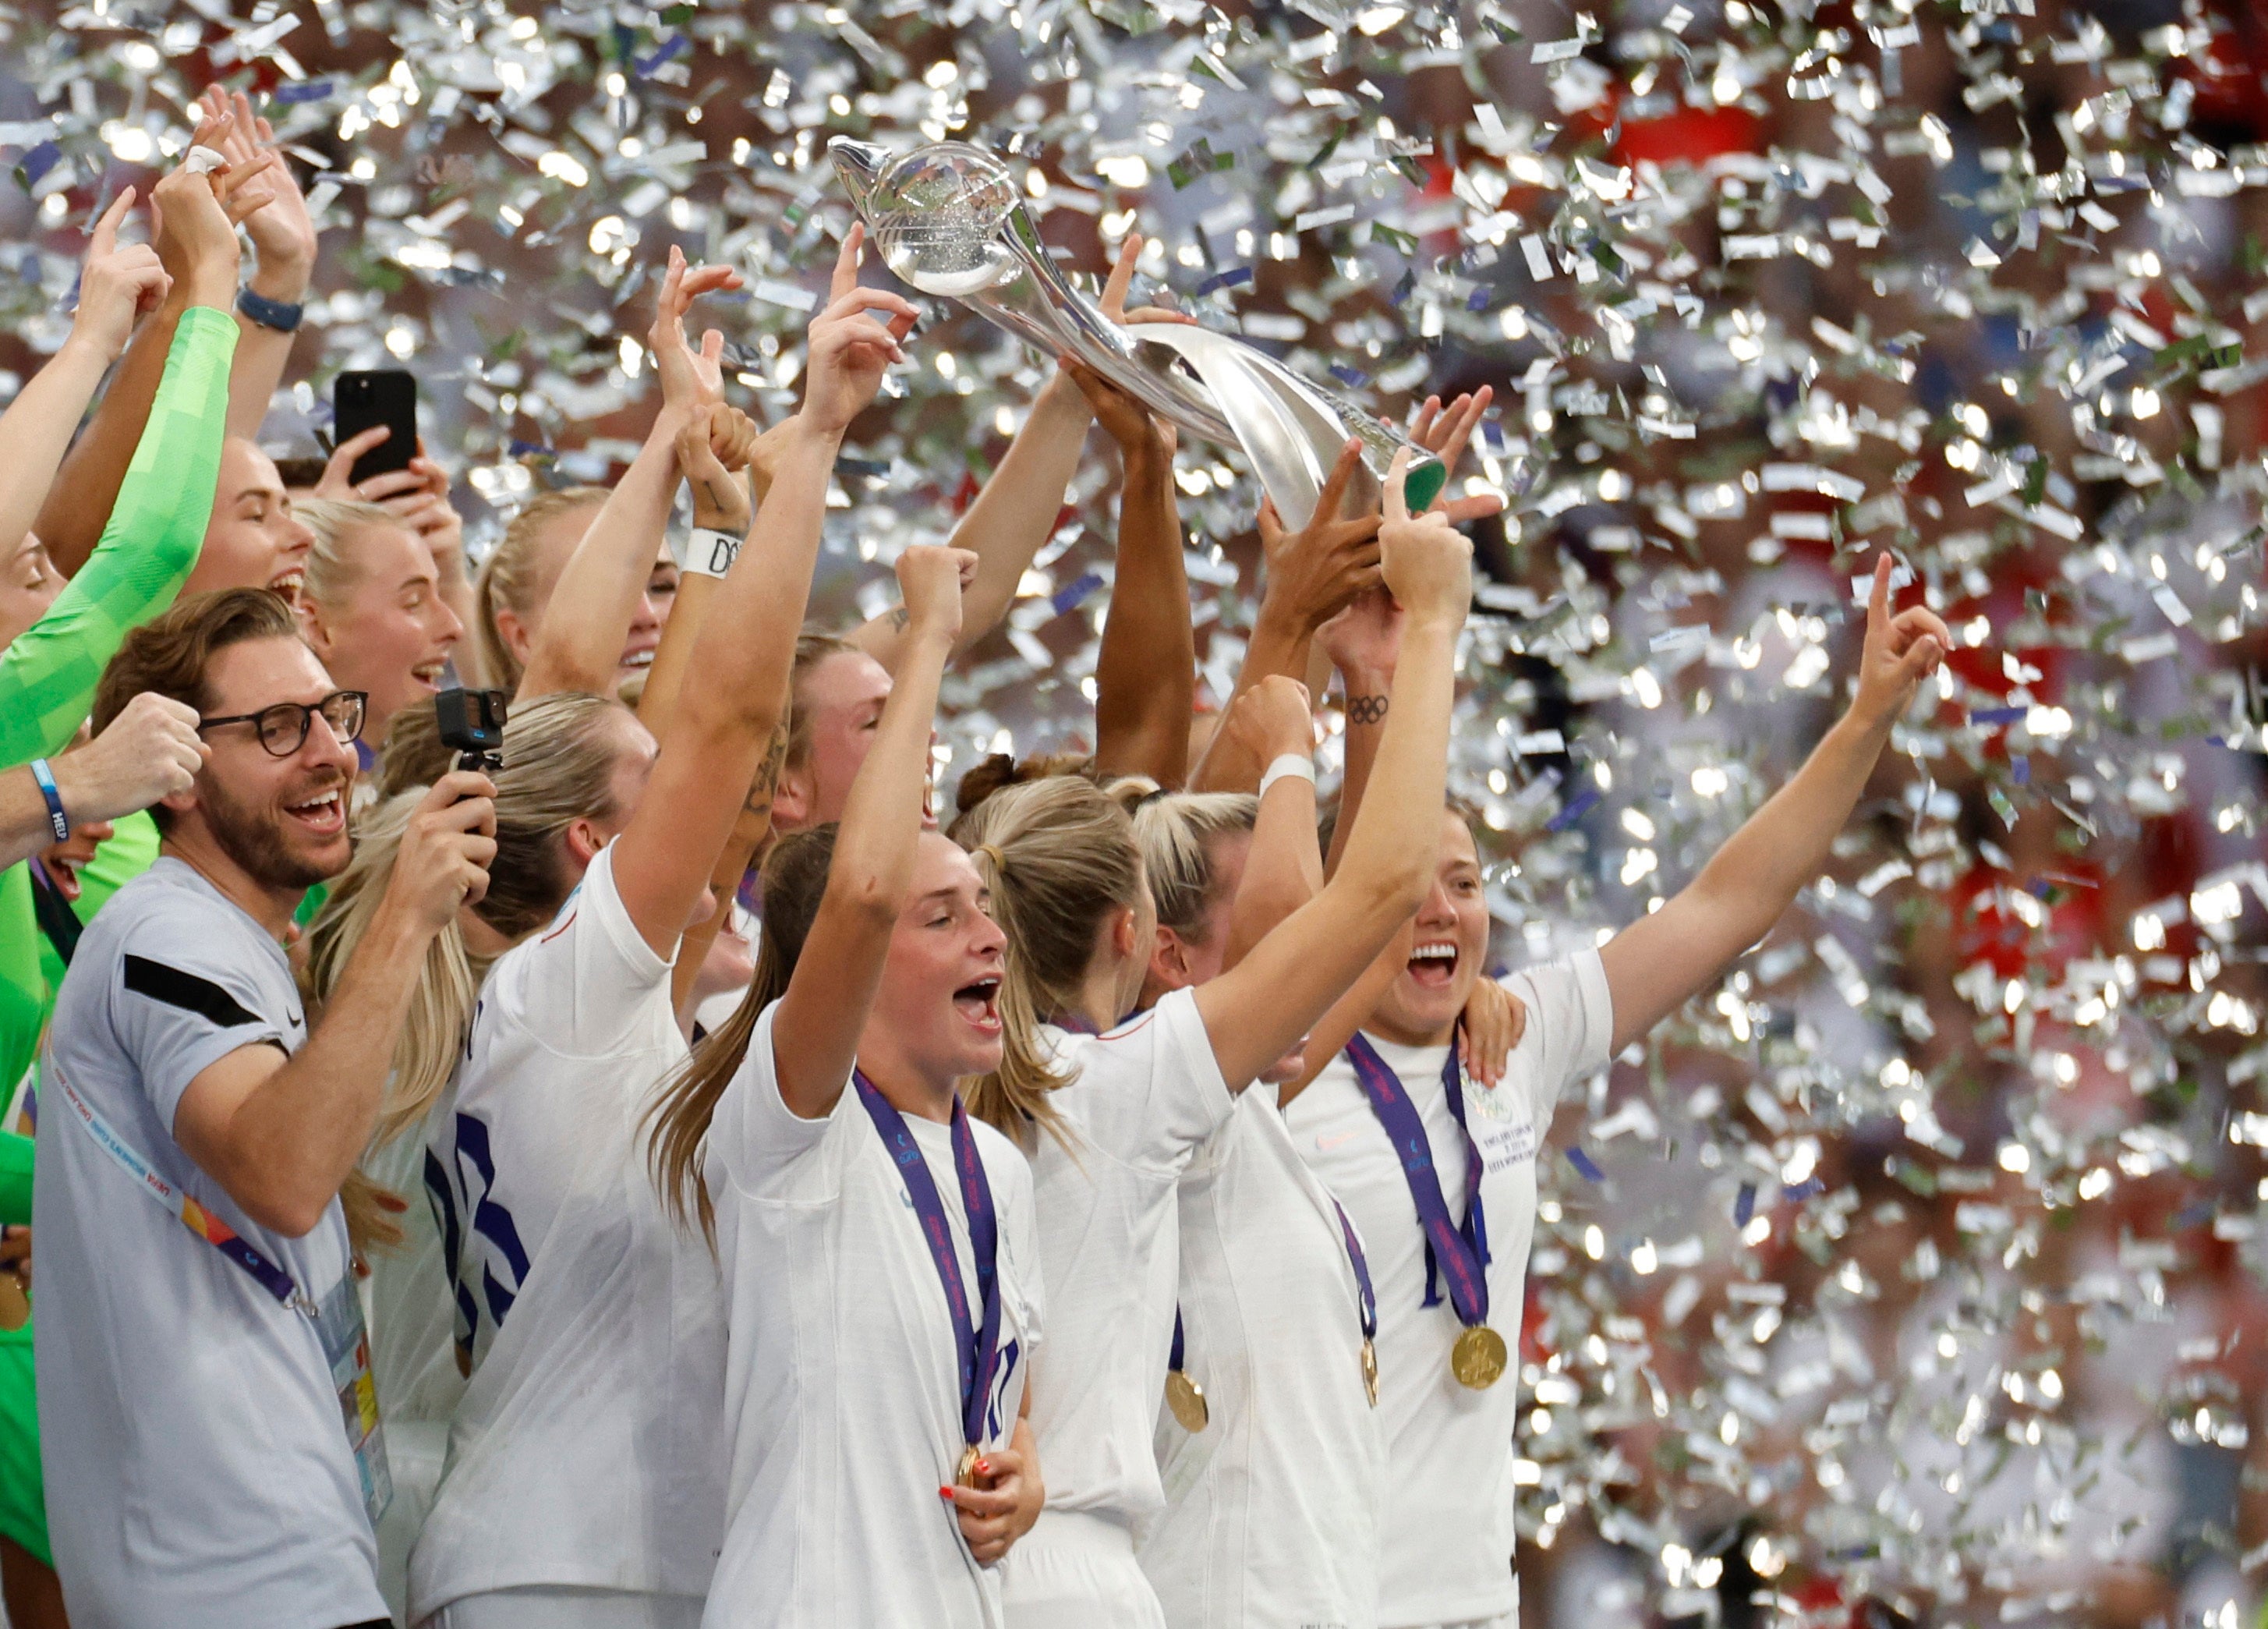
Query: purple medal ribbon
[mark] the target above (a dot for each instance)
(1458, 1253)
(1366, 1298)
(977, 1341)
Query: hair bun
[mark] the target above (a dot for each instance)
(986, 778)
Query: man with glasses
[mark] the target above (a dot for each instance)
(211, 1436)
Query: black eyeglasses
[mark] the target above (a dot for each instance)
(283, 727)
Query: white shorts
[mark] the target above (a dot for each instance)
(1076, 1571)
(543, 1606)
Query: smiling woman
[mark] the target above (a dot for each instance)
(372, 610)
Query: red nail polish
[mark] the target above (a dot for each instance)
(983, 1467)
(945, 1493)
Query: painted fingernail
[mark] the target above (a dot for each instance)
(983, 1467)
(945, 1493)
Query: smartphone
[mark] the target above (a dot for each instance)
(363, 401)
(472, 725)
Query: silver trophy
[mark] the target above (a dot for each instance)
(949, 220)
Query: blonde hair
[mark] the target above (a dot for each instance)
(507, 577)
(333, 568)
(440, 1006)
(812, 648)
(559, 767)
(794, 884)
(559, 756)
(1058, 856)
(1175, 833)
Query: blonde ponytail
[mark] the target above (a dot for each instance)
(1058, 857)
(440, 1006)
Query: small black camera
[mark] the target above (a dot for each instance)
(472, 725)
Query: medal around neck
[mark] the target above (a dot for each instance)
(949, 220)
(1478, 1358)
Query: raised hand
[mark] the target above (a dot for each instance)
(445, 851)
(1313, 572)
(283, 232)
(1366, 639)
(691, 380)
(194, 215)
(720, 502)
(1272, 717)
(116, 285)
(1901, 651)
(847, 351)
(1127, 421)
(1427, 563)
(1444, 432)
(1121, 279)
(150, 750)
(931, 581)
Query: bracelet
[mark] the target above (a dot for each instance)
(58, 821)
(710, 552)
(1288, 764)
(269, 314)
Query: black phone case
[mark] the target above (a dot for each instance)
(363, 401)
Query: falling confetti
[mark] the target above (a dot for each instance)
(1913, 1271)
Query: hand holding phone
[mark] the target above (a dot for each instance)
(382, 397)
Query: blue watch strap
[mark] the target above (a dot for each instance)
(58, 821)
(268, 313)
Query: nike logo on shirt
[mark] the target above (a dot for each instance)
(1325, 1144)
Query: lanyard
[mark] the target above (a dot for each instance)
(192, 1215)
(1366, 1297)
(977, 1341)
(1458, 1253)
(337, 1319)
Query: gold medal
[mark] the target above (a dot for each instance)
(1187, 1399)
(1477, 1360)
(1370, 1372)
(965, 1474)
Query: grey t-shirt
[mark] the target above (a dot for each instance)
(197, 1469)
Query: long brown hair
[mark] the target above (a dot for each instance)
(1058, 857)
(794, 880)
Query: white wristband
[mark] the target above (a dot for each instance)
(1288, 763)
(710, 552)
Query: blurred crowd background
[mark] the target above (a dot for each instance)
(1913, 1275)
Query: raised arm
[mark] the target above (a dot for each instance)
(1015, 514)
(1364, 642)
(719, 729)
(115, 287)
(712, 451)
(81, 498)
(1659, 962)
(1308, 575)
(1258, 1010)
(1145, 674)
(1010, 522)
(815, 1032)
(150, 541)
(281, 1133)
(1282, 870)
(283, 236)
(581, 639)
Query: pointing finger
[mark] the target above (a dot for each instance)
(1878, 603)
(1121, 279)
(1397, 509)
(1335, 485)
(846, 263)
(104, 239)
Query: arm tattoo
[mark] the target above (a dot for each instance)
(1367, 709)
(766, 785)
(897, 617)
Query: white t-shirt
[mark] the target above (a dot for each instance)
(1449, 1540)
(197, 1468)
(1272, 1510)
(1140, 1100)
(843, 1409)
(583, 1450)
